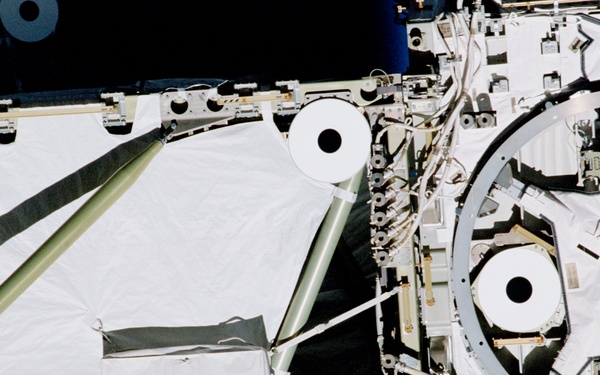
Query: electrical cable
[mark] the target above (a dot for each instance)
(437, 159)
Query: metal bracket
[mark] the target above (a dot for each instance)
(342, 94)
(245, 101)
(360, 92)
(421, 87)
(118, 116)
(511, 238)
(292, 106)
(8, 125)
(193, 110)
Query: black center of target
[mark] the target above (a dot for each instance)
(519, 289)
(330, 141)
(29, 11)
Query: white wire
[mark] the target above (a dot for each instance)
(458, 25)
(391, 124)
(426, 198)
(453, 36)
(401, 152)
(382, 71)
(399, 125)
(462, 76)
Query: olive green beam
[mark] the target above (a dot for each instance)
(74, 227)
(314, 273)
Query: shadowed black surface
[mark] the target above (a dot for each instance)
(99, 43)
(351, 347)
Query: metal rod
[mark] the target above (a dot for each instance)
(224, 100)
(408, 327)
(532, 237)
(312, 278)
(74, 227)
(428, 282)
(337, 320)
(537, 340)
(56, 112)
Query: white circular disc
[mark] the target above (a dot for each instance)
(29, 31)
(536, 310)
(330, 140)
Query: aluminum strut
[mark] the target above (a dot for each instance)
(74, 227)
(312, 278)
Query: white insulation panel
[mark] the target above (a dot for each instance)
(217, 226)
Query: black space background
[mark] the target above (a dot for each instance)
(103, 43)
(111, 43)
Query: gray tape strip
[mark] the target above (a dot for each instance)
(251, 331)
(72, 187)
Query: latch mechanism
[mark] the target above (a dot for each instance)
(115, 121)
(8, 125)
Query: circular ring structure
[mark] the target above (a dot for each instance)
(508, 143)
(519, 289)
(29, 20)
(330, 140)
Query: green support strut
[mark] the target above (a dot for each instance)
(73, 228)
(314, 273)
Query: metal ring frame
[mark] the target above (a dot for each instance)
(499, 153)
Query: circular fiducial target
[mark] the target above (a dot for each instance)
(330, 140)
(519, 289)
(29, 20)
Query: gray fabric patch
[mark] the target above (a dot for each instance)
(233, 332)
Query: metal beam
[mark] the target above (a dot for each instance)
(314, 273)
(74, 227)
